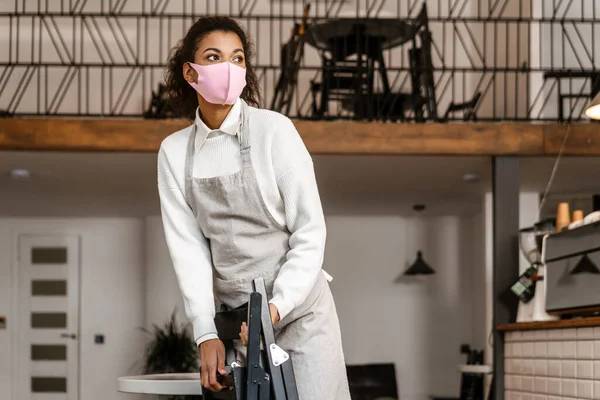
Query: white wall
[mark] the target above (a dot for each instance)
(112, 302)
(418, 323)
(162, 292)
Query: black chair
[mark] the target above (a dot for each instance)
(372, 381)
(423, 100)
(269, 374)
(292, 53)
(468, 108)
(592, 75)
(159, 107)
(393, 106)
(348, 82)
(351, 55)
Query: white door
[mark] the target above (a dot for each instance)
(48, 314)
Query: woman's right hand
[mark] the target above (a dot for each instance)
(244, 334)
(212, 358)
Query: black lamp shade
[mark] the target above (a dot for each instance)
(419, 267)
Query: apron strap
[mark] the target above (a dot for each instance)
(189, 167)
(244, 128)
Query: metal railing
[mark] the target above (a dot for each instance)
(530, 59)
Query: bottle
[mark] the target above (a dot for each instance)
(562, 216)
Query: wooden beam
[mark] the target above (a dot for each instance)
(582, 139)
(420, 139)
(82, 134)
(321, 137)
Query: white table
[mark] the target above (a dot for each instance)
(162, 384)
(476, 369)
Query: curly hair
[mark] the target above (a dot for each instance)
(180, 95)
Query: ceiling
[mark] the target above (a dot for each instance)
(123, 184)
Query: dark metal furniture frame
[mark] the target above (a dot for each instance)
(559, 75)
(291, 56)
(351, 81)
(349, 66)
(268, 374)
(423, 97)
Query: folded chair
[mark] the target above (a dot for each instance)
(292, 53)
(268, 373)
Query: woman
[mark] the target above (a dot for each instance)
(239, 200)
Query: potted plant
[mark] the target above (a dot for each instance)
(171, 349)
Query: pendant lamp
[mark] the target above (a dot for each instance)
(593, 110)
(585, 265)
(419, 267)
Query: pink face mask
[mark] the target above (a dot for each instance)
(220, 83)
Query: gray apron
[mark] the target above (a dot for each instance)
(245, 243)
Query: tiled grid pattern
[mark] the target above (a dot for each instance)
(553, 364)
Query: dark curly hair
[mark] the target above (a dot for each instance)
(180, 95)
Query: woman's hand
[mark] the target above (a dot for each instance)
(212, 357)
(244, 334)
(274, 313)
(244, 330)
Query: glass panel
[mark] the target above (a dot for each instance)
(49, 255)
(48, 288)
(48, 352)
(48, 385)
(48, 320)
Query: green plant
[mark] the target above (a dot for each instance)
(172, 349)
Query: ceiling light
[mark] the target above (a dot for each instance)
(419, 207)
(20, 174)
(593, 110)
(470, 177)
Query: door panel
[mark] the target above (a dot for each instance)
(54, 304)
(48, 368)
(48, 312)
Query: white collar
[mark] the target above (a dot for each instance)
(229, 126)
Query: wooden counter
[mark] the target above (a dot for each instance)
(560, 324)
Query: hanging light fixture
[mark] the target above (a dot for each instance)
(419, 267)
(593, 110)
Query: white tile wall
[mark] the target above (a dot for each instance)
(596, 369)
(585, 370)
(554, 368)
(555, 364)
(569, 369)
(569, 350)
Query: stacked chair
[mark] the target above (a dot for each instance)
(268, 373)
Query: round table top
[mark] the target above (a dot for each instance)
(187, 384)
(392, 32)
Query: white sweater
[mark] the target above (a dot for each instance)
(286, 179)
